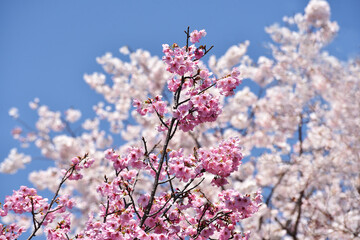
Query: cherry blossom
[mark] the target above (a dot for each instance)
(198, 146)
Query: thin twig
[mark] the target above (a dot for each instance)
(187, 32)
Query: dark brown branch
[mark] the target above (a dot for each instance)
(206, 51)
(157, 176)
(299, 204)
(161, 119)
(133, 202)
(300, 135)
(187, 32)
(107, 210)
(168, 180)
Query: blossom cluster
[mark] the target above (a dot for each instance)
(151, 105)
(222, 161)
(77, 164)
(183, 168)
(14, 161)
(201, 108)
(131, 158)
(61, 231)
(229, 83)
(234, 201)
(196, 35)
(179, 60)
(26, 200)
(199, 105)
(12, 231)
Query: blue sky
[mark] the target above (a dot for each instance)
(47, 46)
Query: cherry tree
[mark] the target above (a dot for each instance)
(298, 128)
(114, 201)
(304, 121)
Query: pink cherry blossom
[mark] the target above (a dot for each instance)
(196, 35)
